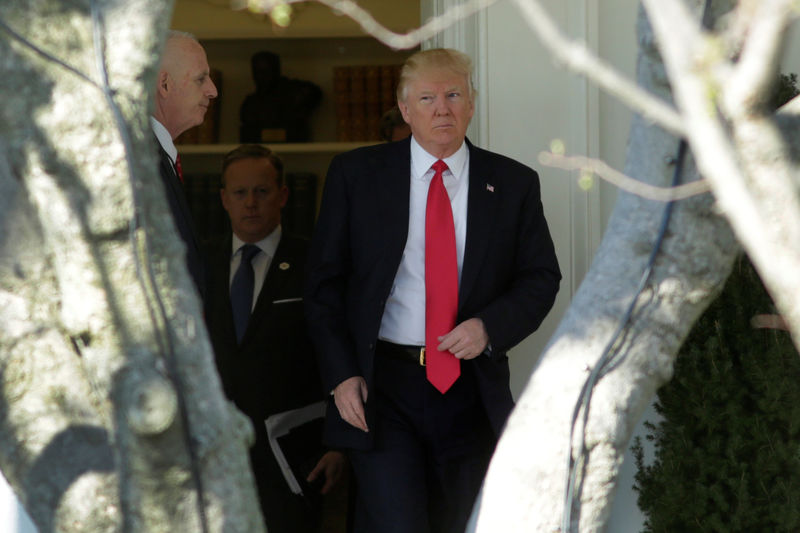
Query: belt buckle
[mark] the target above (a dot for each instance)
(422, 356)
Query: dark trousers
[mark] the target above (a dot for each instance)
(430, 456)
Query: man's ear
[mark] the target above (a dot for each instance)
(223, 198)
(163, 85)
(284, 195)
(403, 107)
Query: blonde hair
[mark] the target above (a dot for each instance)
(435, 59)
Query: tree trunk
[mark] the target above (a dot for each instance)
(112, 416)
(526, 484)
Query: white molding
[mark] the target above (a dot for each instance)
(584, 137)
(468, 36)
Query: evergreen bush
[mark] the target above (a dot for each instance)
(727, 451)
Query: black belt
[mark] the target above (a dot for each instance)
(414, 354)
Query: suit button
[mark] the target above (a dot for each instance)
(371, 346)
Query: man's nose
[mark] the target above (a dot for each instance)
(211, 92)
(440, 106)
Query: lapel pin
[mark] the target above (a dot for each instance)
(490, 188)
(284, 266)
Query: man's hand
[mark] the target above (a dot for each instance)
(331, 465)
(350, 396)
(467, 340)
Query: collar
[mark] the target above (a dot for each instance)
(421, 160)
(165, 139)
(268, 244)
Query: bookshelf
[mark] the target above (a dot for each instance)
(283, 148)
(310, 49)
(315, 43)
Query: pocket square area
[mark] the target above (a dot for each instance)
(287, 300)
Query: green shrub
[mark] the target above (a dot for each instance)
(727, 451)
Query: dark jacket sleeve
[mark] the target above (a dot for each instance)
(326, 282)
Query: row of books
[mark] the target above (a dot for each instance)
(362, 94)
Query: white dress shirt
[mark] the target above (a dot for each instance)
(260, 262)
(164, 139)
(403, 319)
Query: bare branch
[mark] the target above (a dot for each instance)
(679, 37)
(685, 34)
(759, 61)
(617, 178)
(580, 59)
(735, 156)
(374, 28)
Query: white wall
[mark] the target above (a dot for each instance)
(532, 101)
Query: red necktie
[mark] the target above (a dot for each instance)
(178, 169)
(441, 282)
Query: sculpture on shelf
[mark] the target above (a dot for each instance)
(280, 108)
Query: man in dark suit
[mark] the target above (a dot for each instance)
(417, 262)
(263, 354)
(183, 92)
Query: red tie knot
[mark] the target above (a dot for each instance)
(439, 166)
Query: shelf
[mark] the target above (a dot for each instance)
(303, 59)
(278, 148)
(317, 41)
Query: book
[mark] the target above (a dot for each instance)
(390, 75)
(362, 94)
(358, 108)
(295, 438)
(341, 99)
(372, 102)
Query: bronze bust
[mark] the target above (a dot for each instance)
(280, 108)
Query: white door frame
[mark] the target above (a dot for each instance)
(471, 36)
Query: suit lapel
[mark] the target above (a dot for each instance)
(393, 197)
(274, 279)
(177, 192)
(219, 285)
(168, 171)
(281, 269)
(481, 208)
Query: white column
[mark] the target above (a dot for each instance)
(468, 36)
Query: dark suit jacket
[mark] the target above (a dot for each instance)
(509, 277)
(274, 369)
(176, 197)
